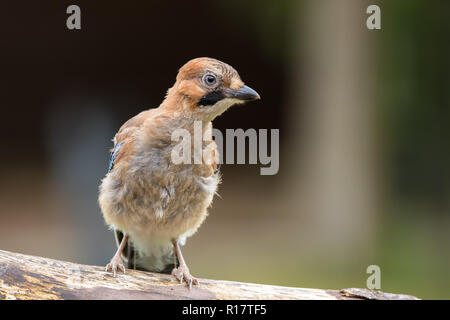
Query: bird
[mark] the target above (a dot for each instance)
(152, 203)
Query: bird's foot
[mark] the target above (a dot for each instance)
(182, 274)
(115, 264)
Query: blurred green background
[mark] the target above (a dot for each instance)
(363, 115)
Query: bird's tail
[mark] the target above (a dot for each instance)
(163, 262)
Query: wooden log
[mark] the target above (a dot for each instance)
(30, 277)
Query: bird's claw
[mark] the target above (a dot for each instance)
(116, 263)
(183, 275)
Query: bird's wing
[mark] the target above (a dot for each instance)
(124, 138)
(114, 153)
(123, 147)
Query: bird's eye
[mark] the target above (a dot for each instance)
(209, 79)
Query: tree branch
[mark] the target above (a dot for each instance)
(30, 277)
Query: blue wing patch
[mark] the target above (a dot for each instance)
(114, 155)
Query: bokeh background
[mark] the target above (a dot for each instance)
(364, 119)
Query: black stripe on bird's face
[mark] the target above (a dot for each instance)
(211, 98)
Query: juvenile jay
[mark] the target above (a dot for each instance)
(151, 203)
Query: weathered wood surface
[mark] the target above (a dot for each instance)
(30, 277)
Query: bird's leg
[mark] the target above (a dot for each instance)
(182, 272)
(116, 261)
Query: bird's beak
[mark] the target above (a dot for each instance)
(244, 93)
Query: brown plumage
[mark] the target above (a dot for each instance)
(150, 201)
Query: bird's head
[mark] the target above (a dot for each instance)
(207, 87)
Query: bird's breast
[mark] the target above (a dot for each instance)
(156, 197)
